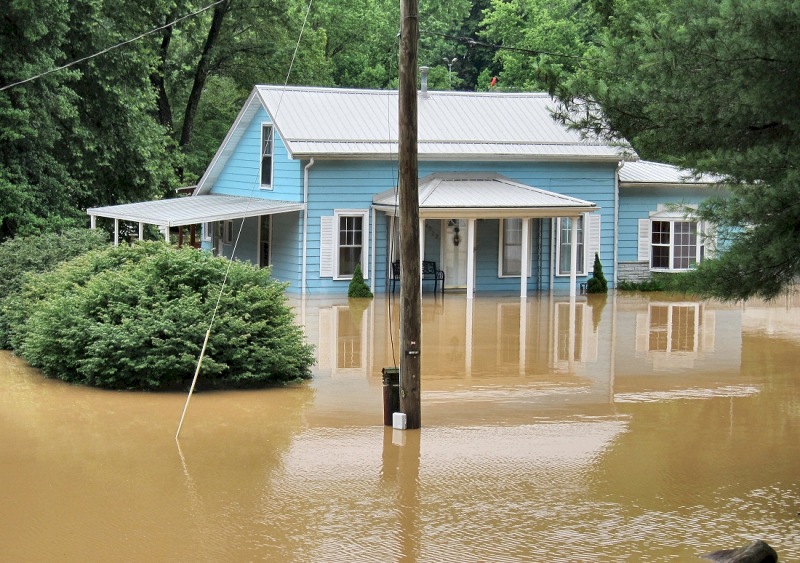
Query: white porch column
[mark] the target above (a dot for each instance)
(116, 232)
(141, 231)
(470, 258)
(573, 256)
(166, 234)
(93, 221)
(371, 272)
(523, 265)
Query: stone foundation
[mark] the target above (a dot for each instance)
(633, 271)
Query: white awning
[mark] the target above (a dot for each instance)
(194, 210)
(480, 195)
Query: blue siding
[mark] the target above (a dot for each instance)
(241, 174)
(638, 203)
(287, 248)
(350, 185)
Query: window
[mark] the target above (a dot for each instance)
(227, 232)
(675, 245)
(351, 229)
(564, 246)
(208, 231)
(511, 247)
(266, 155)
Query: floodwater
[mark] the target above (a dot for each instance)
(626, 428)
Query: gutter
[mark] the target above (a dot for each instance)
(305, 226)
(616, 220)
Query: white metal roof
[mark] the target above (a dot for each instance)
(645, 172)
(335, 123)
(193, 210)
(484, 195)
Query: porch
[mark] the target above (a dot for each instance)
(458, 201)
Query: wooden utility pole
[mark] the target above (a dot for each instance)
(408, 175)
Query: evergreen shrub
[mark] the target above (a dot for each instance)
(357, 287)
(597, 283)
(135, 317)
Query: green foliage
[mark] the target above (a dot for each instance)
(40, 253)
(713, 87)
(547, 38)
(357, 287)
(675, 282)
(81, 136)
(597, 283)
(136, 317)
(24, 256)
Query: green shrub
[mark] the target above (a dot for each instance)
(657, 282)
(26, 255)
(357, 287)
(136, 317)
(597, 283)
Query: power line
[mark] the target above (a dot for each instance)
(118, 45)
(472, 42)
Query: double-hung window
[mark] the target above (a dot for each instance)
(351, 244)
(343, 243)
(511, 248)
(564, 246)
(267, 146)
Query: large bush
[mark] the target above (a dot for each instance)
(136, 317)
(25, 255)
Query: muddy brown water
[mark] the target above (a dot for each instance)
(627, 428)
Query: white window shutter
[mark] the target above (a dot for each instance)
(594, 239)
(644, 240)
(709, 239)
(326, 233)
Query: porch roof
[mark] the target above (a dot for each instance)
(193, 210)
(484, 195)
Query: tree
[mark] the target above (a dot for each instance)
(79, 136)
(714, 87)
(546, 40)
(597, 283)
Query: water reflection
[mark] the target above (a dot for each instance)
(601, 428)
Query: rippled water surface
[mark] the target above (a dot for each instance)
(631, 428)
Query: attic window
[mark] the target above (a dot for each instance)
(266, 156)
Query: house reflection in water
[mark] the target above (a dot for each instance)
(550, 344)
(550, 349)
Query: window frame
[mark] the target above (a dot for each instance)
(364, 259)
(262, 156)
(227, 231)
(501, 256)
(699, 245)
(583, 243)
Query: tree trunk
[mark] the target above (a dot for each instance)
(158, 80)
(201, 72)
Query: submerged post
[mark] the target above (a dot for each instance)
(408, 176)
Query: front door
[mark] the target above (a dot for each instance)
(454, 252)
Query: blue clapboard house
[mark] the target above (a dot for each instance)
(305, 182)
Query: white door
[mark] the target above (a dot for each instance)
(454, 252)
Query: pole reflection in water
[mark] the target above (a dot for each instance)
(626, 427)
(400, 471)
